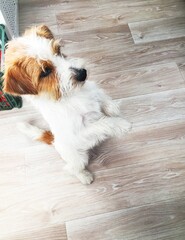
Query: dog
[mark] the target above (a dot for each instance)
(80, 114)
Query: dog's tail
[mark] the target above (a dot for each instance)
(36, 133)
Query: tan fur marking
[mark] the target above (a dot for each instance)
(47, 137)
(55, 46)
(22, 76)
(17, 80)
(49, 84)
(42, 31)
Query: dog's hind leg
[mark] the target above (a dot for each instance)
(83, 174)
(76, 160)
(36, 133)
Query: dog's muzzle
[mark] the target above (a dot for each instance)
(80, 74)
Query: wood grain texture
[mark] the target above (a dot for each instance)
(156, 30)
(139, 190)
(99, 14)
(181, 66)
(166, 140)
(151, 79)
(121, 54)
(154, 108)
(43, 200)
(162, 221)
(55, 233)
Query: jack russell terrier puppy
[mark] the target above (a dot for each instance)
(80, 114)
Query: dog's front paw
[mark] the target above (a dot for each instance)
(122, 127)
(85, 177)
(112, 109)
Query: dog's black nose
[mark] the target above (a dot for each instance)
(80, 74)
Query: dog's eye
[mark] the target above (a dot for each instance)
(45, 72)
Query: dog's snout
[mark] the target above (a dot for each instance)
(80, 74)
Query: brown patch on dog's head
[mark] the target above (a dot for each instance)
(26, 75)
(16, 78)
(18, 82)
(47, 81)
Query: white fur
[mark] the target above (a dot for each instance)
(81, 119)
(31, 131)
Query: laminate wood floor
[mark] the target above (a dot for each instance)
(135, 50)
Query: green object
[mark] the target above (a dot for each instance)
(4, 40)
(7, 101)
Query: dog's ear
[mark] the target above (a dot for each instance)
(42, 31)
(55, 46)
(17, 82)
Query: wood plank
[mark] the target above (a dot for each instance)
(127, 55)
(41, 16)
(151, 79)
(88, 41)
(167, 139)
(154, 108)
(97, 14)
(40, 203)
(46, 233)
(160, 221)
(157, 30)
(181, 66)
(114, 13)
